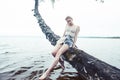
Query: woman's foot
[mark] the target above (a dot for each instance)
(62, 64)
(63, 67)
(43, 77)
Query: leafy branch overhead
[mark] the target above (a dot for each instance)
(53, 1)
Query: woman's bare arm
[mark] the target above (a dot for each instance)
(76, 35)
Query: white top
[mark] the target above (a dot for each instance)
(69, 30)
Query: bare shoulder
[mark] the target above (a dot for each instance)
(78, 27)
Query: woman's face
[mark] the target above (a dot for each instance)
(69, 21)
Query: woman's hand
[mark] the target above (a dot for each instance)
(73, 46)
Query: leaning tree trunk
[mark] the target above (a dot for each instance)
(86, 65)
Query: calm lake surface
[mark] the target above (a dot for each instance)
(26, 58)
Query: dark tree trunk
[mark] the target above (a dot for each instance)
(86, 65)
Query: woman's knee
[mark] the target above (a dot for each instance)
(56, 49)
(54, 53)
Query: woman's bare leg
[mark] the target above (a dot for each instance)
(56, 60)
(56, 48)
(54, 52)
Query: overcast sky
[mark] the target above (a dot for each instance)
(93, 17)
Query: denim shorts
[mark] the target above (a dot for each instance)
(68, 41)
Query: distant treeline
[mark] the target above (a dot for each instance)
(114, 37)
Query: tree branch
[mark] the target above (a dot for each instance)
(86, 65)
(45, 28)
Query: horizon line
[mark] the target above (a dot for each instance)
(42, 36)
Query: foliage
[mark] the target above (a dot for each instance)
(53, 1)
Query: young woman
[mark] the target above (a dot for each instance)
(68, 40)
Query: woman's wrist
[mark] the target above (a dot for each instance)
(73, 45)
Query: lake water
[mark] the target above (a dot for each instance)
(25, 58)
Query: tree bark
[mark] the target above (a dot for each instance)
(87, 66)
